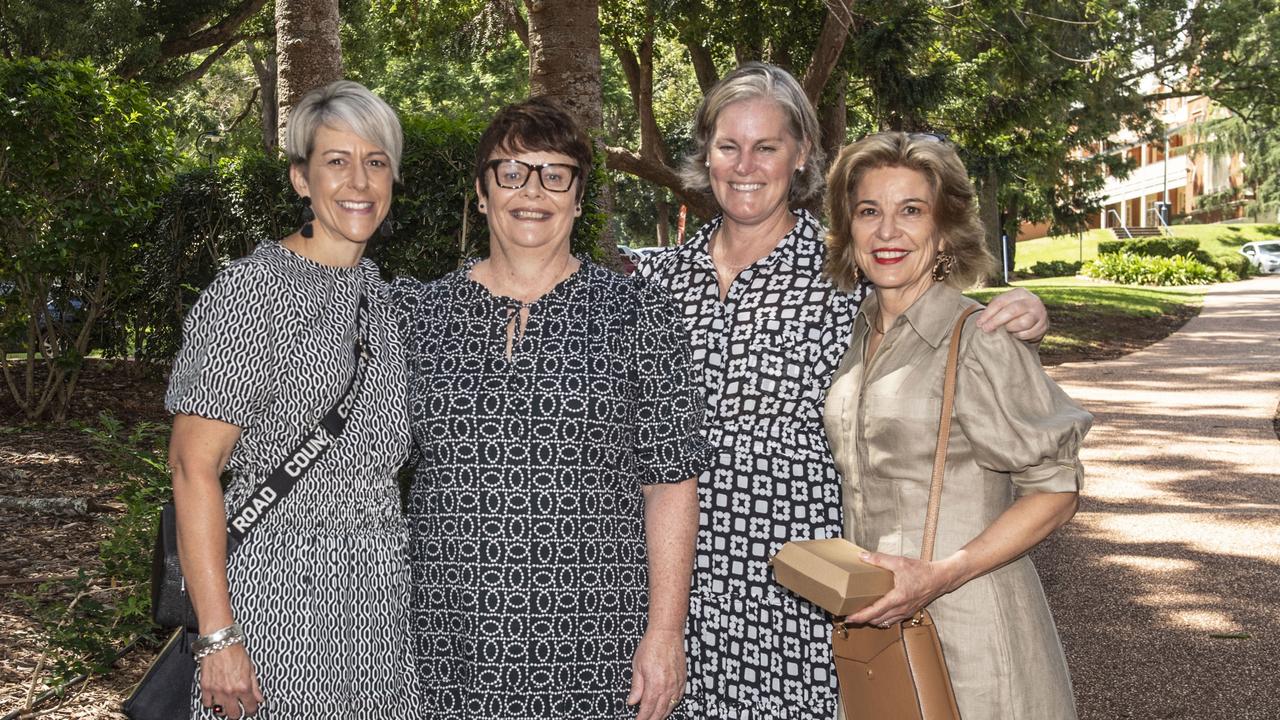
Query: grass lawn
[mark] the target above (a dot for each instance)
(1220, 239)
(1092, 320)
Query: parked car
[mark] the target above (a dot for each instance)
(627, 258)
(1265, 255)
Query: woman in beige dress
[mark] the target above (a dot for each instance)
(903, 215)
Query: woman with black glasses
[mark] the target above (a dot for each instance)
(557, 419)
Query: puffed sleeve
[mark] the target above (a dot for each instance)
(227, 366)
(670, 445)
(1016, 418)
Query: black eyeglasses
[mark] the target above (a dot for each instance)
(513, 174)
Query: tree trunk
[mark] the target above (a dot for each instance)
(989, 210)
(264, 66)
(308, 51)
(662, 208)
(833, 116)
(564, 57)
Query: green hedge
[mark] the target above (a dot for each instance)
(1130, 269)
(214, 215)
(1152, 247)
(1054, 268)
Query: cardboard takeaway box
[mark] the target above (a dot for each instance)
(829, 574)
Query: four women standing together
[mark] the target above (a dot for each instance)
(573, 431)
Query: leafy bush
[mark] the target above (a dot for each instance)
(82, 164)
(212, 216)
(1131, 269)
(1150, 246)
(88, 620)
(1054, 268)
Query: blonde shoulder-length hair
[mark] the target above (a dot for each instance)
(955, 210)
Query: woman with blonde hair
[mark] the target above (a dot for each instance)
(903, 216)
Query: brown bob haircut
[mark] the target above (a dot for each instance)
(955, 210)
(538, 124)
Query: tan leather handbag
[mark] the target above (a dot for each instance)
(899, 673)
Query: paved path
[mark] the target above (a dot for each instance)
(1178, 536)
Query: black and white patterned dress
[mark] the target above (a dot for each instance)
(526, 512)
(767, 353)
(321, 586)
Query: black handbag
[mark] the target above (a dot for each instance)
(164, 692)
(170, 606)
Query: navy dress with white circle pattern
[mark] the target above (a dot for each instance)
(766, 353)
(526, 509)
(321, 585)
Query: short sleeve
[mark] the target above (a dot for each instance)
(1016, 418)
(670, 445)
(227, 366)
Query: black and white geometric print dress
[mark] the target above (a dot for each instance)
(767, 353)
(321, 586)
(526, 513)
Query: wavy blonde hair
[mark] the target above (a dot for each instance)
(955, 210)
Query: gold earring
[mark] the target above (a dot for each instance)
(943, 267)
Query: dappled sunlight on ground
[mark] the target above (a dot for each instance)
(1164, 586)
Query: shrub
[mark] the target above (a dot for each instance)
(82, 164)
(1131, 269)
(1054, 268)
(1152, 247)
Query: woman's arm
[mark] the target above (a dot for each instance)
(917, 583)
(198, 451)
(670, 528)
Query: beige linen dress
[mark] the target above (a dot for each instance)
(1013, 432)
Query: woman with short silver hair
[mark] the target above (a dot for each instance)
(768, 331)
(308, 614)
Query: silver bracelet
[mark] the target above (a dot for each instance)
(205, 645)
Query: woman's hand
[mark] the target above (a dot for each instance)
(1018, 311)
(916, 583)
(658, 674)
(227, 680)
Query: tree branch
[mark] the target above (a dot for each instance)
(199, 71)
(248, 106)
(703, 66)
(639, 74)
(658, 173)
(831, 41)
(212, 36)
(513, 20)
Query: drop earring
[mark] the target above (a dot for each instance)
(385, 229)
(307, 216)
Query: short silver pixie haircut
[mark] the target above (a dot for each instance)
(343, 103)
(747, 82)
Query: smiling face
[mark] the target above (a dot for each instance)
(349, 181)
(752, 158)
(530, 217)
(895, 240)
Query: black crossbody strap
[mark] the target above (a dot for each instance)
(308, 452)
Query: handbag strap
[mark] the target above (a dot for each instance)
(307, 453)
(944, 434)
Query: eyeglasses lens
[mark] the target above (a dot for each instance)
(513, 174)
